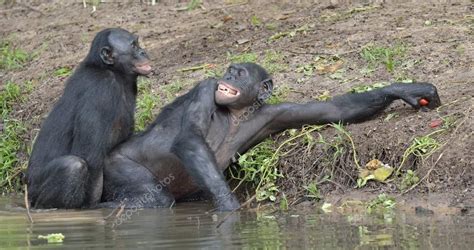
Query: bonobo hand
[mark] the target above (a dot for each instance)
(227, 202)
(412, 93)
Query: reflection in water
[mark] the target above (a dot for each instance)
(190, 225)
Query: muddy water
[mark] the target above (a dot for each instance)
(191, 225)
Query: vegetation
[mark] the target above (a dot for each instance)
(11, 57)
(390, 57)
(11, 142)
(146, 102)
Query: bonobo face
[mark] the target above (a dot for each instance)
(125, 54)
(243, 85)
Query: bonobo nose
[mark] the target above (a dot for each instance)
(144, 54)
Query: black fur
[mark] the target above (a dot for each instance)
(94, 114)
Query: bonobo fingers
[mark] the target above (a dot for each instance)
(418, 95)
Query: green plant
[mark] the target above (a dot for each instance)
(255, 21)
(409, 180)
(146, 102)
(313, 191)
(241, 58)
(421, 147)
(173, 88)
(390, 57)
(12, 58)
(259, 165)
(273, 61)
(10, 141)
(303, 29)
(279, 95)
(365, 88)
(381, 202)
(63, 72)
(193, 4)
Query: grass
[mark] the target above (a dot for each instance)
(389, 57)
(193, 4)
(279, 95)
(255, 21)
(63, 71)
(259, 166)
(312, 191)
(10, 141)
(331, 16)
(242, 58)
(421, 147)
(11, 57)
(366, 88)
(273, 62)
(303, 29)
(146, 102)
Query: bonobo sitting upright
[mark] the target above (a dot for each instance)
(94, 114)
(194, 138)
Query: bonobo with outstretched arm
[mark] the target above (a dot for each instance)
(194, 138)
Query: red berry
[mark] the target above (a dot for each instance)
(423, 102)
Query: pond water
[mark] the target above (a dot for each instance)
(194, 225)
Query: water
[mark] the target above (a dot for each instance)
(191, 225)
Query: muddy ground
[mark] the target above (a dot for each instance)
(328, 37)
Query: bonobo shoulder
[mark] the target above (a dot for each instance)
(208, 84)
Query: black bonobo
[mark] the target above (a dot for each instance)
(194, 138)
(94, 114)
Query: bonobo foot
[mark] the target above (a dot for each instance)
(227, 202)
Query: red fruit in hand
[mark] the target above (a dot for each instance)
(423, 102)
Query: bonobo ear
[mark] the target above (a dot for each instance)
(266, 89)
(106, 55)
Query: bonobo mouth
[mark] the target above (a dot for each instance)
(143, 68)
(226, 93)
(227, 89)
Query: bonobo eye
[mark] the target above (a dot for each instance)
(242, 72)
(135, 44)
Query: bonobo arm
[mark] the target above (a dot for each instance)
(192, 149)
(350, 108)
(92, 134)
(199, 161)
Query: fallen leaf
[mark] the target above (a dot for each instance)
(373, 164)
(382, 173)
(436, 123)
(242, 41)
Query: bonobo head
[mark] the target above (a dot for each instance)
(118, 49)
(243, 84)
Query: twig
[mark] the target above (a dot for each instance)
(27, 205)
(233, 211)
(320, 52)
(120, 211)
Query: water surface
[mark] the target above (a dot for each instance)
(194, 225)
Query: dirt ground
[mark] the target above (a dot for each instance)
(437, 36)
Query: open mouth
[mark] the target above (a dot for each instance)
(227, 90)
(143, 68)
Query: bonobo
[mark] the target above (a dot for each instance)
(194, 138)
(94, 114)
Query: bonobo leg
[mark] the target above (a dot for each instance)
(199, 162)
(61, 183)
(128, 183)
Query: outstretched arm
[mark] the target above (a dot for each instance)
(350, 108)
